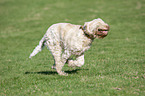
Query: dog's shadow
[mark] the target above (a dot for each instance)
(54, 72)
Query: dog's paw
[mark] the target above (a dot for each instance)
(71, 64)
(63, 73)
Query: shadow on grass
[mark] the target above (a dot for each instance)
(54, 72)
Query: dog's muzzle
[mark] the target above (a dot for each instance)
(102, 32)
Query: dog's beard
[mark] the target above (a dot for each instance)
(102, 34)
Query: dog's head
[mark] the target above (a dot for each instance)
(96, 28)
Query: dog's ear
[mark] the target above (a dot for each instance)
(88, 27)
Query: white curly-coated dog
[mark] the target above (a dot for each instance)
(65, 40)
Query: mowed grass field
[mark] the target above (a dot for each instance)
(114, 66)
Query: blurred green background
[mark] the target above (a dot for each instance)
(114, 66)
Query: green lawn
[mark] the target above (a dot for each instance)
(114, 66)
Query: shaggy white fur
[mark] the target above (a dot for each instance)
(65, 40)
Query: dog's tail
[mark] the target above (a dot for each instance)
(38, 47)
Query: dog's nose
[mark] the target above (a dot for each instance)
(108, 28)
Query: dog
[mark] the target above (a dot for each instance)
(65, 40)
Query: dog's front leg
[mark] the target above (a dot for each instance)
(78, 62)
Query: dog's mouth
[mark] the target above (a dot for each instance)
(103, 30)
(101, 33)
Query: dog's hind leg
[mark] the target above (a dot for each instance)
(56, 51)
(61, 61)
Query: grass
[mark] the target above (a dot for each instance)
(114, 66)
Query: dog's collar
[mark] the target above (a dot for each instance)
(86, 33)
